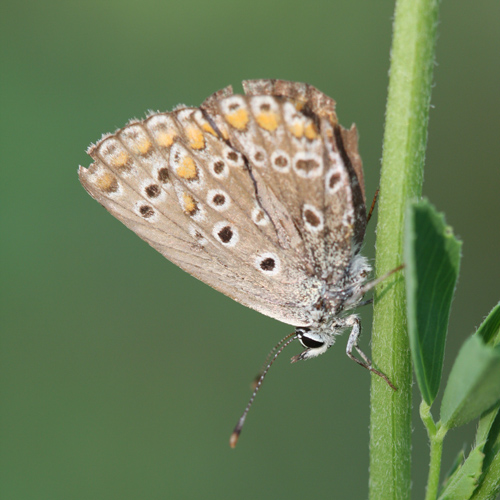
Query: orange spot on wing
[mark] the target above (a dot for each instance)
(267, 121)
(297, 129)
(238, 119)
(190, 205)
(310, 131)
(107, 183)
(208, 128)
(166, 139)
(187, 169)
(195, 137)
(121, 159)
(144, 146)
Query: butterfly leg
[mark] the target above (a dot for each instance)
(365, 302)
(352, 343)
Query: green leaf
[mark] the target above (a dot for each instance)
(463, 482)
(485, 423)
(483, 463)
(489, 486)
(489, 330)
(474, 383)
(457, 463)
(487, 437)
(432, 258)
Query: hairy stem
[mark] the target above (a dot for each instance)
(436, 435)
(405, 138)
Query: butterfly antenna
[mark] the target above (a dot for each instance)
(277, 350)
(269, 356)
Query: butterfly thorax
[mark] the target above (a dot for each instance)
(331, 313)
(343, 295)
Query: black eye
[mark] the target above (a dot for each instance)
(310, 343)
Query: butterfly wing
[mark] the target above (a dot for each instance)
(186, 183)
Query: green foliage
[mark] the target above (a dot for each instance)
(457, 463)
(489, 428)
(490, 328)
(463, 481)
(485, 424)
(432, 257)
(473, 386)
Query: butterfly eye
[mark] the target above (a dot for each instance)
(310, 342)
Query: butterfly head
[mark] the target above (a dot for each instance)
(315, 341)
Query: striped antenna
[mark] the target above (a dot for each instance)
(277, 350)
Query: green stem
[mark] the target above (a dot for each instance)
(412, 60)
(436, 436)
(434, 467)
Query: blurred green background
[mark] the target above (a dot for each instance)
(122, 376)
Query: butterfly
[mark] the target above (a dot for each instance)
(261, 196)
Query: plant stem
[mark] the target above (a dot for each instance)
(434, 466)
(405, 138)
(436, 436)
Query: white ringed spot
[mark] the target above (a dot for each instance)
(218, 199)
(268, 263)
(225, 233)
(259, 216)
(233, 158)
(307, 165)
(280, 161)
(258, 156)
(219, 169)
(312, 217)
